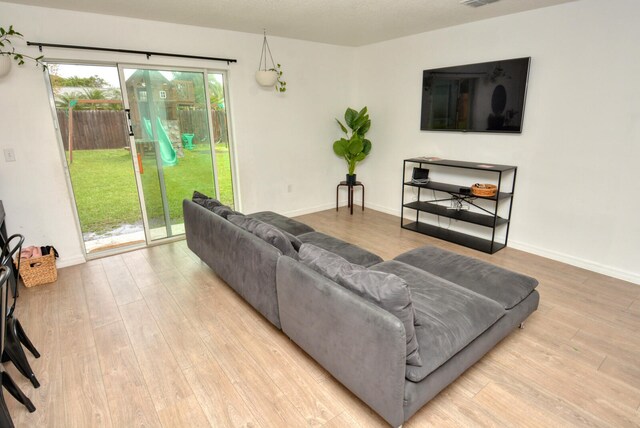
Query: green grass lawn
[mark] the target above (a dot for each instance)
(105, 189)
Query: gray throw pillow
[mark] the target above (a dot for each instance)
(385, 290)
(275, 237)
(295, 242)
(268, 233)
(224, 211)
(249, 224)
(205, 201)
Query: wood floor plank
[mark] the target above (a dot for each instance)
(515, 409)
(185, 413)
(262, 396)
(218, 397)
(129, 399)
(101, 304)
(315, 405)
(625, 371)
(73, 315)
(164, 379)
(85, 398)
(123, 286)
(184, 341)
(141, 271)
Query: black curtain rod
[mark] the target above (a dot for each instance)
(147, 53)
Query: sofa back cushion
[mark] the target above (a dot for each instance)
(387, 291)
(205, 201)
(225, 211)
(268, 233)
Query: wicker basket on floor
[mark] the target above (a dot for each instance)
(39, 270)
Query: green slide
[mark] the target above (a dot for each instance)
(167, 152)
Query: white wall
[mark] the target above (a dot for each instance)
(577, 157)
(280, 139)
(578, 154)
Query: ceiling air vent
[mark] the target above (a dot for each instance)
(476, 3)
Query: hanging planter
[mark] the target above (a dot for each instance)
(269, 75)
(8, 52)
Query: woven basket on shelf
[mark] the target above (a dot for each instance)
(484, 190)
(39, 270)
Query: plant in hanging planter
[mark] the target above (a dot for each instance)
(355, 147)
(8, 52)
(271, 76)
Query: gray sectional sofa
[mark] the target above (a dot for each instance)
(460, 307)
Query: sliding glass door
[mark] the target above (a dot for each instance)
(173, 139)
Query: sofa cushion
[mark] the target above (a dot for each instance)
(205, 201)
(451, 316)
(286, 224)
(249, 224)
(225, 211)
(384, 290)
(350, 252)
(268, 233)
(504, 286)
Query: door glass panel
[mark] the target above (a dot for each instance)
(221, 137)
(169, 118)
(96, 145)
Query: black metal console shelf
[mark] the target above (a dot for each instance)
(490, 213)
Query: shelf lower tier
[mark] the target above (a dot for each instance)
(462, 215)
(474, 242)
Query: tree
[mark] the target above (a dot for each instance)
(75, 81)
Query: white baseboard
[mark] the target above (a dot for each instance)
(578, 262)
(311, 210)
(69, 261)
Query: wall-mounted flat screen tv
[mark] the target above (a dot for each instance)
(485, 97)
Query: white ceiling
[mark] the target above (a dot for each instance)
(340, 22)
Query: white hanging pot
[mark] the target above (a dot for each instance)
(5, 65)
(266, 77)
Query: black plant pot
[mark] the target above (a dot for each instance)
(351, 179)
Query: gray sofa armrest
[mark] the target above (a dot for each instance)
(360, 344)
(245, 262)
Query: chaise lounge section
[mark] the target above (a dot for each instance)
(460, 307)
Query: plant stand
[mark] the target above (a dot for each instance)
(349, 194)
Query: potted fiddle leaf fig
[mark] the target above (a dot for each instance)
(8, 52)
(355, 147)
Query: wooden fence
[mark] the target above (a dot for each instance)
(94, 129)
(107, 129)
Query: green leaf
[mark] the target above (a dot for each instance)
(355, 145)
(366, 146)
(350, 116)
(340, 147)
(342, 126)
(365, 127)
(360, 156)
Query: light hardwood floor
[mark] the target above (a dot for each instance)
(154, 338)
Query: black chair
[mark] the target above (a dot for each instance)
(14, 333)
(7, 382)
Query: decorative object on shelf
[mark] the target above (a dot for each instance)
(484, 190)
(8, 52)
(269, 76)
(355, 147)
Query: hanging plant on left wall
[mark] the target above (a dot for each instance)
(8, 52)
(271, 76)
